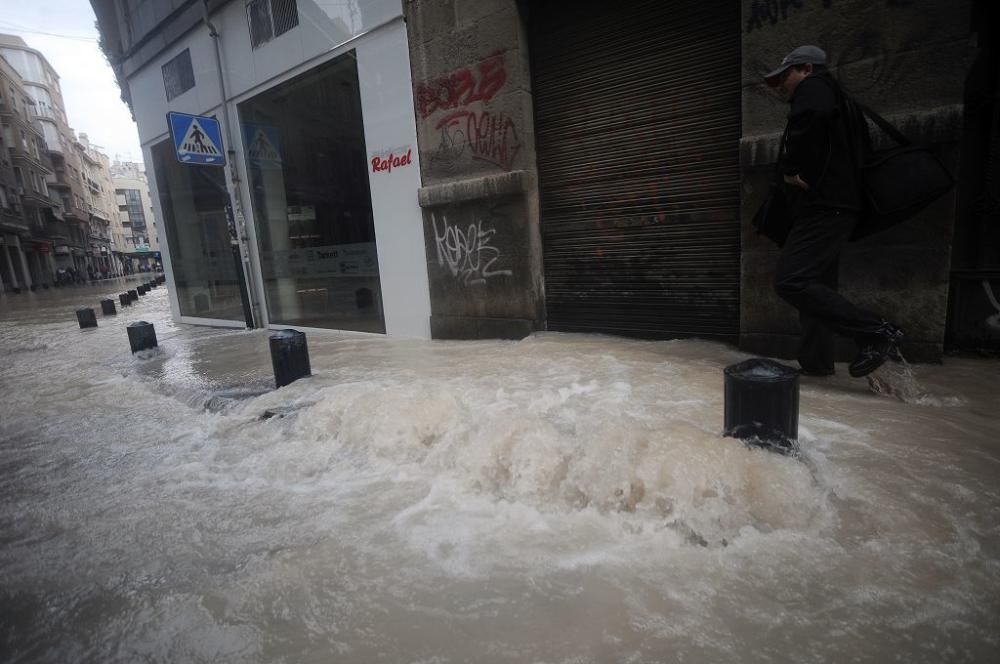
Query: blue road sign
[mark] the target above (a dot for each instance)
(263, 146)
(197, 138)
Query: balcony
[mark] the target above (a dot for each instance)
(58, 179)
(57, 230)
(12, 220)
(17, 155)
(35, 199)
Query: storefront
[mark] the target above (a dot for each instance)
(302, 227)
(638, 141)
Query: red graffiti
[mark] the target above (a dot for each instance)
(460, 88)
(488, 136)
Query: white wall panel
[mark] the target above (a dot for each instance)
(387, 103)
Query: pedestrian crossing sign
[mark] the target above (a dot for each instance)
(263, 146)
(197, 139)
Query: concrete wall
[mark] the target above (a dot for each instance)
(906, 59)
(472, 98)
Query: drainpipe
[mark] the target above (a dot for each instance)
(251, 305)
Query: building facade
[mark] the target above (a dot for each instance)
(298, 228)
(101, 206)
(63, 183)
(463, 169)
(137, 224)
(27, 213)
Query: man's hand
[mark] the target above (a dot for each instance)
(796, 181)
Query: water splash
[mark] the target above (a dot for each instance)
(898, 380)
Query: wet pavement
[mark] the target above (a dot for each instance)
(565, 498)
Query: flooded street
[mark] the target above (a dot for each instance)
(565, 498)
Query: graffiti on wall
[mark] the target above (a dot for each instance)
(486, 135)
(463, 87)
(467, 253)
(469, 128)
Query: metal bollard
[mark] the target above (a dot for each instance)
(141, 336)
(133, 295)
(289, 356)
(124, 299)
(108, 307)
(762, 404)
(86, 318)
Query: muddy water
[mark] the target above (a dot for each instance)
(565, 498)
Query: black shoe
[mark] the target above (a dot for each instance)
(880, 346)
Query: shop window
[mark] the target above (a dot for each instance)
(270, 18)
(305, 151)
(178, 75)
(193, 202)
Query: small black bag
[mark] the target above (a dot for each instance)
(774, 218)
(896, 183)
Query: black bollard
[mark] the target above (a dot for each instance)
(124, 299)
(108, 307)
(86, 318)
(133, 295)
(289, 356)
(762, 404)
(141, 336)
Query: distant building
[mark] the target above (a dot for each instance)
(73, 203)
(27, 212)
(135, 212)
(101, 204)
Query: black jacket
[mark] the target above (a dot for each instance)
(818, 146)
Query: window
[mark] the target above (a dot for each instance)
(310, 194)
(178, 75)
(193, 205)
(270, 18)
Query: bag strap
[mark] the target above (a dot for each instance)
(884, 124)
(776, 178)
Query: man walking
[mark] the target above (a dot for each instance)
(820, 171)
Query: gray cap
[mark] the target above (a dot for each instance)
(803, 55)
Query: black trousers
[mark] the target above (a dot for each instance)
(806, 278)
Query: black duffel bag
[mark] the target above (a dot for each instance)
(896, 183)
(774, 218)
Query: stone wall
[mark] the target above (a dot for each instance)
(906, 59)
(472, 97)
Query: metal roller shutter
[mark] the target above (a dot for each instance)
(637, 121)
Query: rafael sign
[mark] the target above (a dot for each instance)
(384, 163)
